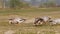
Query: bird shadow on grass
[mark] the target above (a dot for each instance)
(46, 25)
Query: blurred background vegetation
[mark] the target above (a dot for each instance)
(29, 3)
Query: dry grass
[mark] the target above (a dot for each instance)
(28, 27)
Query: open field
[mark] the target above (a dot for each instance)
(29, 28)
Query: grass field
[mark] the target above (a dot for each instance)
(28, 28)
